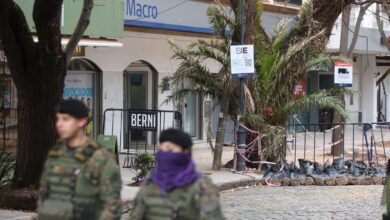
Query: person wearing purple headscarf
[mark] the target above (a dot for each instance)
(175, 190)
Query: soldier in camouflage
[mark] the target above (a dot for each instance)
(175, 190)
(81, 180)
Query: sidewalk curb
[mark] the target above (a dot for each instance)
(237, 184)
(127, 205)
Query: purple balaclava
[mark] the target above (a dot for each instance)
(174, 170)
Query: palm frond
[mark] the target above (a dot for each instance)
(322, 59)
(275, 139)
(282, 32)
(221, 20)
(298, 48)
(322, 99)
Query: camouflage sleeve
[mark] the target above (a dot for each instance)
(110, 184)
(137, 213)
(209, 206)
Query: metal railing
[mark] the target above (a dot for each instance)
(134, 140)
(366, 142)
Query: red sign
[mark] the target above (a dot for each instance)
(339, 63)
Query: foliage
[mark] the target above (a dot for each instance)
(192, 66)
(278, 72)
(143, 164)
(7, 166)
(193, 77)
(281, 61)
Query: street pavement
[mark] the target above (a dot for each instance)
(293, 203)
(310, 202)
(304, 202)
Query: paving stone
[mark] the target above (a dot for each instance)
(377, 180)
(341, 181)
(276, 181)
(353, 180)
(365, 180)
(286, 181)
(302, 180)
(309, 181)
(295, 182)
(330, 181)
(319, 181)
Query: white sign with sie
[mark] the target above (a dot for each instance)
(242, 61)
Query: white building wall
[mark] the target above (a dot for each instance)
(368, 46)
(369, 101)
(352, 102)
(152, 48)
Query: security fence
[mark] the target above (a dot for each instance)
(365, 142)
(137, 130)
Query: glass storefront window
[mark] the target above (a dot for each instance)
(82, 83)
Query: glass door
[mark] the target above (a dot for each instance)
(191, 113)
(140, 92)
(137, 91)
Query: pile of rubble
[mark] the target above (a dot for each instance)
(339, 173)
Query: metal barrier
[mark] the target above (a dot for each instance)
(366, 142)
(137, 130)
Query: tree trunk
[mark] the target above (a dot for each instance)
(220, 138)
(337, 136)
(36, 130)
(38, 70)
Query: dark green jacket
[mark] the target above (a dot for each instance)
(84, 184)
(198, 201)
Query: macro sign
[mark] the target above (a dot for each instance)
(176, 15)
(143, 120)
(343, 74)
(242, 61)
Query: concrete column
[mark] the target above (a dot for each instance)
(368, 90)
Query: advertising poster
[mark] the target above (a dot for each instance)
(80, 86)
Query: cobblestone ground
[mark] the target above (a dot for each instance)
(309, 202)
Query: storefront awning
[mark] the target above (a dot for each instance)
(87, 42)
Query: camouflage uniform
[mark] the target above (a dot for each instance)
(82, 183)
(199, 201)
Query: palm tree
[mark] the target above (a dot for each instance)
(269, 100)
(218, 86)
(277, 75)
